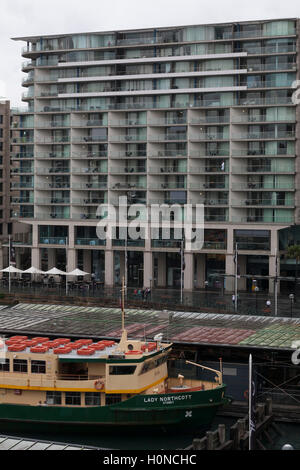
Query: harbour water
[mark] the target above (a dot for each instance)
(290, 435)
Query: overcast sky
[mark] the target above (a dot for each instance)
(41, 17)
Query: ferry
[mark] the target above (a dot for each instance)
(86, 386)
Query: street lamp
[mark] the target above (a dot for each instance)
(256, 289)
(291, 297)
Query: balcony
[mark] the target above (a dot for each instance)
(172, 137)
(128, 138)
(90, 242)
(167, 185)
(253, 185)
(209, 185)
(86, 186)
(21, 156)
(265, 135)
(84, 155)
(50, 201)
(166, 244)
(89, 139)
(213, 137)
(53, 240)
(264, 202)
(128, 170)
(88, 201)
(128, 185)
(135, 243)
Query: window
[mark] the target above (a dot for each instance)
(4, 365)
(38, 367)
(73, 398)
(20, 365)
(122, 370)
(92, 399)
(112, 399)
(53, 398)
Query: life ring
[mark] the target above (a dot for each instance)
(99, 384)
(246, 394)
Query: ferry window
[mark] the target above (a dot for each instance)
(4, 365)
(112, 399)
(53, 398)
(73, 398)
(38, 367)
(121, 370)
(20, 365)
(92, 398)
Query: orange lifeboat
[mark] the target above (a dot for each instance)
(18, 338)
(62, 340)
(41, 339)
(86, 351)
(133, 352)
(97, 347)
(62, 350)
(17, 347)
(84, 341)
(107, 342)
(39, 349)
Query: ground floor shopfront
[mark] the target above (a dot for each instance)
(158, 263)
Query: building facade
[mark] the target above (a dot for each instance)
(193, 114)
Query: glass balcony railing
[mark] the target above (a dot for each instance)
(265, 135)
(287, 185)
(288, 219)
(263, 202)
(90, 242)
(53, 240)
(211, 245)
(166, 244)
(264, 246)
(216, 217)
(136, 243)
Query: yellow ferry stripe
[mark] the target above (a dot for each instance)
(58, 389)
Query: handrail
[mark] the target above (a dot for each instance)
(219, 374)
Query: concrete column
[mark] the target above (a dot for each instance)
(109, 268)
(242, 265)
(188, 276)
(229, 263)
(36, 258)
(87, 258)
(51, 258)
(272, 261)
(161, 270)
(200, 270)
(148, 269)
(35, 235)
(230, 271)
(71, 259)
(71, 238)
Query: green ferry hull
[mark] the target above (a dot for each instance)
(173, 412)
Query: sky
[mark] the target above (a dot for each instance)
(19, 18)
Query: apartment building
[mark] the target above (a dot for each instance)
(5, 226)
(190, 114)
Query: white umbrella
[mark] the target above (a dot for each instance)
(77, 272)
(11, 269)
(33, 270)
(55, 271)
